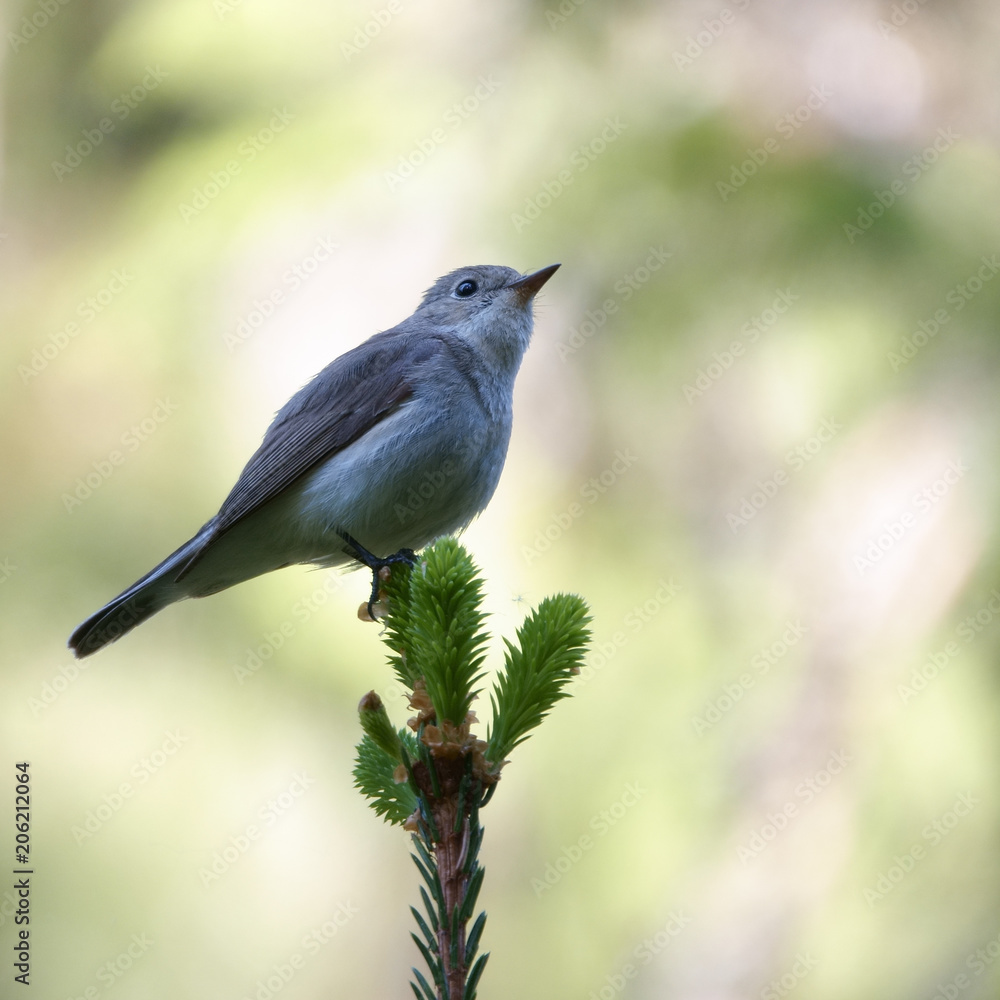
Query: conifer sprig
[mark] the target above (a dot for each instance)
(550, 648)
(434, 777)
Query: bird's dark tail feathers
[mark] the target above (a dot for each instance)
(142, 600)
(115, 619)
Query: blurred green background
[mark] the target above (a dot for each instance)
(754, 430)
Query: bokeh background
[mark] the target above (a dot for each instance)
(757, 429)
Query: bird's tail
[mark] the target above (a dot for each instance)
(144, 598)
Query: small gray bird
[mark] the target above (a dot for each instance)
(397, 442)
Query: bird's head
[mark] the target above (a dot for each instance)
(487, 305)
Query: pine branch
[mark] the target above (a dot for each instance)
(397, 624)
(551, 644)
(375, 774)
(435, 779)
(445, 629)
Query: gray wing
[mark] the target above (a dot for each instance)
(344, 401)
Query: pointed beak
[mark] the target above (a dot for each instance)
(529, 284)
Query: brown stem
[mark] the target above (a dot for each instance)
(449, 853)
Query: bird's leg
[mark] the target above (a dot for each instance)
(375, 564)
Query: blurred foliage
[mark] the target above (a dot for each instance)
(791, 564)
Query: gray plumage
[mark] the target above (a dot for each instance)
(397, 442)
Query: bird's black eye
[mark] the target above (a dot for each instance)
(466, 288)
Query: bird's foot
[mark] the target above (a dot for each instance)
(376, 564)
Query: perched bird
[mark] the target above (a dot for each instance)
(397, 442)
